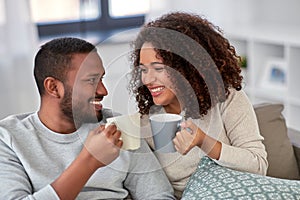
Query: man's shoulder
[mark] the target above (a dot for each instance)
(15, 119)
(15, 126)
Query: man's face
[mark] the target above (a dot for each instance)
(84, 89)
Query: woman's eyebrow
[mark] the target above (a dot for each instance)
(152, 63)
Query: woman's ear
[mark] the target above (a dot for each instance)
(54, 87)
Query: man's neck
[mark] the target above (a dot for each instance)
(56, 121)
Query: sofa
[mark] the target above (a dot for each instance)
(283, 155)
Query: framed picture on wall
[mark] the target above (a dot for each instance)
(274, 74)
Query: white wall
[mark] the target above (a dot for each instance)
(235, 13)
(279, 12)
(18, 38)
(115, 53)
(115, 57)
(218, 11)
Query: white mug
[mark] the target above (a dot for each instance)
(129, 125)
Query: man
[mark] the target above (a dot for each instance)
(59, 152)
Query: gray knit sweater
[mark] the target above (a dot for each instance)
(32, 157)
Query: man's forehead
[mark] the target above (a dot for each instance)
(90, 63)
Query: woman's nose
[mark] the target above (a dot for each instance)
(149, 77)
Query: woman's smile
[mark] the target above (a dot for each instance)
(156, 90)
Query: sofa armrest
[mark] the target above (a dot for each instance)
(294, 137)
(297, 155)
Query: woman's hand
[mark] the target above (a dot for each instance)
(189, 137)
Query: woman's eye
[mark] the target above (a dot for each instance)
(143, 69)
(159, 69)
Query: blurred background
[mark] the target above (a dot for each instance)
(266, 33)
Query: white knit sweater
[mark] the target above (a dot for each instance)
(233, 123)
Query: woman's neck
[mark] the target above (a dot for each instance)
(173, 108)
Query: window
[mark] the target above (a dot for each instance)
(2, 13)
(121, 8)
(57, 17)
(67, 10)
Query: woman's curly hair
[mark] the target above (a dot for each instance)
(204, 64)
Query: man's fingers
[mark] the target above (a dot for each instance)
(119, 143)
(99, 129)
(116, 136)
(110, 130)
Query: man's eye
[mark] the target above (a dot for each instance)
(95, 80)
(92, 80)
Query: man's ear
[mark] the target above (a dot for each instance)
(54, 87)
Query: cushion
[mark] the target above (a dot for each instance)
(212, 181)
(272, 126)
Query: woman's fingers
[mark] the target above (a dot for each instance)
(182, 142)
(189, 126)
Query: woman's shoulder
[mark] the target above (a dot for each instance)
(233, 93)
(237, 95)
(236, 99)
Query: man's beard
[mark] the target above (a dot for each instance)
(74, 110)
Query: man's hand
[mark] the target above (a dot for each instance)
(104, 144)
(189, 137)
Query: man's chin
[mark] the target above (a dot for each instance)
(96, 117)
(86, 119)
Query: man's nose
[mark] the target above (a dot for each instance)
(101, 89)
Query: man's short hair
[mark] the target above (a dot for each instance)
(54, 59)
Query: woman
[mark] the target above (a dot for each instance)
(183, 65)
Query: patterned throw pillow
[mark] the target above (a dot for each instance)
(212, 181)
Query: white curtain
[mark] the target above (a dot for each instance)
(18, 45)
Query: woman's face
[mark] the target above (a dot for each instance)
(157, 79)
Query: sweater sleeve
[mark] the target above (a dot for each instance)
(246, 152)
(146, 178)
(15, 183)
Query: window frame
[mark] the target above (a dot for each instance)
(103, 23)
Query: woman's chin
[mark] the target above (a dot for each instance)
(159, 103)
